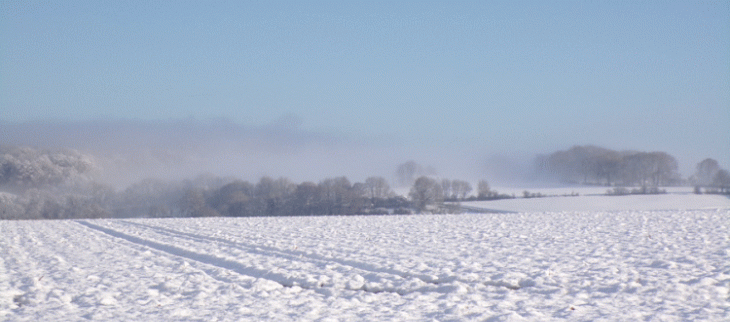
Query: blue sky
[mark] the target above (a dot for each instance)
(529, 76)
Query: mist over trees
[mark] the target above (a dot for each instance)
(42, 184)
(55, 184)
(407, 173)
(601, 166)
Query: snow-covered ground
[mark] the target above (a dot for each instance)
(593, 203)
(592, 265)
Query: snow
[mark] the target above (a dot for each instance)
(669, 201)
(661, 260)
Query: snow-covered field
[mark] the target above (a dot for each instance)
(594, 203)
(623, 265)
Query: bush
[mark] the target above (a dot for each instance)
(618, 191)
(402, 211)
(644, 190)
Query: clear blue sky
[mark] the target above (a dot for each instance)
(505, 75)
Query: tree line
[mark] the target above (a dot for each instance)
(208, 195)
(55, 184)
(647, 170)
(600, 166)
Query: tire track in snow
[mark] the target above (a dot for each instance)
(216, 261)
(365, 267)
(271, 252)
(237, 267)
(297, 255)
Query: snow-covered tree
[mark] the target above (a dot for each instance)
(25, 167)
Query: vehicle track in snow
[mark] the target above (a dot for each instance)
(367, 268)
(298, 255)
(540, 267)
(192, 255)
(319, 273)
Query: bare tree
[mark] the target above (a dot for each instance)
(425, 192)
(722, 181)
(446, 189)
(273, 195)
(337, 195)
(235, 199)
(461, 189)
(308, 199)
(377, 188)
(193, 204)
(706, 172)
(483, 190)
(664, 168)
(406, 173)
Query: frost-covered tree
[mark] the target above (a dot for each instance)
(235, 199)
(483, 190)
(461, 189)
(10, 206)
(193, 204)
(150, 198)
(425, 192)
(273, 195)
(25, 167)
(377, 188)
(307, 199)
(446, 189)
(338, 196)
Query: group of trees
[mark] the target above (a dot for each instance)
(710, 176)
(332, 196)
(428, 193)
(215, 196)
(38, 183)
(44, 184)
(649, 170)
(596, 165)
(24, 167)
(281, 197)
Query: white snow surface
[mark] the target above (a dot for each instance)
(594, 203)
(626, 265)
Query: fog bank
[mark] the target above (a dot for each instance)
(130, 150)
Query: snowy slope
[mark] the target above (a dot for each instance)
(581, 266)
